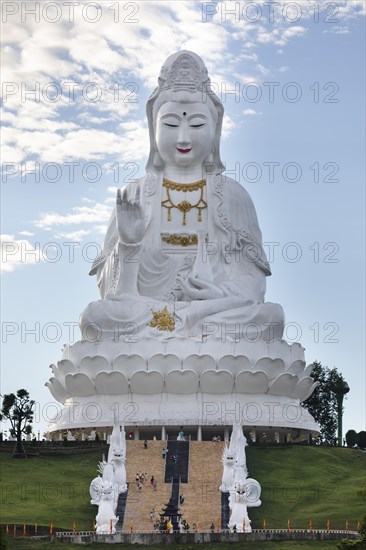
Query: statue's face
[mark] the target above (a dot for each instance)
(184, 133)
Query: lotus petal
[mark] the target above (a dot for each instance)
(217, 381)
(92, 365)
(199, 363)
(252, 350)
(151, 347)
(251, 382)
(147, 382)
(272, 367)
(57, 374)
(66, 367)
(297, 352)
(280, 349)
(181, 381)
(215, 347)
(309, 392)
(164, 363)
(297, 367)
(308, 370)
(129, 364)
(57, 390)
(234, 364)
(111, 383)
(302, 388)
(79, 385)
(54, 369)
(178, 347)
(283, 385)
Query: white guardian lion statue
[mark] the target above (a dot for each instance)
(244, 492)
(117, 456)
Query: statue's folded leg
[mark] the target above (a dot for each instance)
(117, 315)
(242, 319)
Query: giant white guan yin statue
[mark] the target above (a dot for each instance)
(182, 321)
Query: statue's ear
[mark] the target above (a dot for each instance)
(157, 161)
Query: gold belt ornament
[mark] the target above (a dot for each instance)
(180, 240)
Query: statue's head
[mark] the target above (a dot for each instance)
(184, 116)
(228, 457)
(107, 491)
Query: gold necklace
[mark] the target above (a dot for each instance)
(184, 206)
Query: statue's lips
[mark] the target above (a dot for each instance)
(184, 150)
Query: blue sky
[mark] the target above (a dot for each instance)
(309, 136)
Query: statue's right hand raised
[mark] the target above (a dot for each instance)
(130, 218)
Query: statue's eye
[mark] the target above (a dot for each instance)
(171, 125)
(196, 125)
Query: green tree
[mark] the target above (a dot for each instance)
(351, 438)
(361, 440)
(325, 403)
(18, 410)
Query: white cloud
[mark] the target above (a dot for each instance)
(109, 52)
(227, 126)
(250, 112)
(73, 235)
(15, 253)
(26, 233)
(79, 215)
(337, 30)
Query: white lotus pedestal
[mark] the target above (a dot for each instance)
(176, 382)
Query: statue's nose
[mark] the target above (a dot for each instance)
(183, 135)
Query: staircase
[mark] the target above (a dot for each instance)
(140, 503)
(121, 508)
(196, 474)
(202, 498)
(225, 510)
(177, 471)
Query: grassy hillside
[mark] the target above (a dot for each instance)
(308, 482)
(297, 483)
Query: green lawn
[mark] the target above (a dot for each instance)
(300, 483)
(20, 544)
(297, 483)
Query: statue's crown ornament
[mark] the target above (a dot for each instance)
(185, 73)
